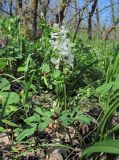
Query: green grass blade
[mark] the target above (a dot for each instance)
(107, 146)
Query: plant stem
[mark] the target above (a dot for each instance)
(65, 94)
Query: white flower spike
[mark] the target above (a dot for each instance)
(60, 42)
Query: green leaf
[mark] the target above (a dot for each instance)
(65, 118)
(28, 61)
(3, 63)
(42, 126)
(28, 86)
(47, 114)
(40, 111)
(45, 81)
(11, 108)
(45, 68)
(47, 119)
(65, 121)
(106, 146)
(114, 129)
(4, 84)
(9, 123)
(13, 97)
(14, 149)
(2, 129)
(105, 88)
(105, 120)
(83, 119)
(26, 132)
(34, 118)
(66, 113)
(56, 74)
(22, 69)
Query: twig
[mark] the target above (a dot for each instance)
(94, 13)
(6, 12)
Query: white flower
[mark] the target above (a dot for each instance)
(54, 36)
(56, 25)
(63, 30)
(70, 60)
(42, 15)
(54, 44)
(64, 51)
(56, 62)
(62, 44)
(67, 41)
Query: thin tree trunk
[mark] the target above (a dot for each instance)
(107, 33)
(75, 17)
(113, 16)
(98, 22)
(79, 22)
(81, 12)
(18, 7)
(45, 4)
(30, 19)
(97, 17)
(112, 11)
(90, 18)
(34, 5)
(10, 8)
(1, 7)
(61, 14)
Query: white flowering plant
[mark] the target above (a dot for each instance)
(62, 46)
(62, 59)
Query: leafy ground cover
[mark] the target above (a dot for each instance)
(59, 100)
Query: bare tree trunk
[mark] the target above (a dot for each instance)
(77, 27)
(29, 16)
(34, 5)
(112, 11)
(106, 33)
(1, 7)
(97, 17)
(45, 4)
(75, 18)
(98, 22)
(18, 7)
(10, 8)
(90, 18)
(81, 12)
(113, 16)
(61, 14)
